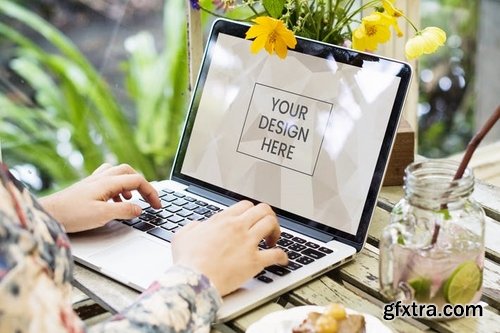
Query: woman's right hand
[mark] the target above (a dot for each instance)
(225, 247)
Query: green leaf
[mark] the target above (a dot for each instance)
(446, 213)
(274, 7)
(401, 239)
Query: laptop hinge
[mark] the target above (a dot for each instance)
(287, 223)
(313, 233)
(211, 195)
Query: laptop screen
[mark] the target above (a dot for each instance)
(304, 134)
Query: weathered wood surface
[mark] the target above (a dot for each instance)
(402, 154)
(355, 284)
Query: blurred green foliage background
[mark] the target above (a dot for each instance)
(64, 110)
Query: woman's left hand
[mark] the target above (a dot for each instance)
(97, 199)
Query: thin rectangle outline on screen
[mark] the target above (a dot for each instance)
(280, 165)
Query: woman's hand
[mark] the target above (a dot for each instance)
(225, 247)
(86, 204)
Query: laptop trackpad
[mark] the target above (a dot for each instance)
(136, 261)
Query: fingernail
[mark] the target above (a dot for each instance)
(137, 210)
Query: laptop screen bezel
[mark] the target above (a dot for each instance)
(323, 50)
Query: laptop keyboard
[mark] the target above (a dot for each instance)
(300, 253)
(179, 209)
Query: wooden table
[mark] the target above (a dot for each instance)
(355, 284)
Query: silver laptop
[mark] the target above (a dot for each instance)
(310, 135)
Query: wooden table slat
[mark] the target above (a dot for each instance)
(243, 322)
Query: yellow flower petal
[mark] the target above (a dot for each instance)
(280, 48)
(435, 35)
(258, 44)
(425, 42)
(271, 34)
(254, 31)
(414, 47)
(358, 39)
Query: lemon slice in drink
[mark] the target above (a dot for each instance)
(463, 283)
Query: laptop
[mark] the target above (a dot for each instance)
(310, 135)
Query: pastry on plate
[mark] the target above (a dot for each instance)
(333, 320)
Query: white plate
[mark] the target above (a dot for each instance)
(284, 321)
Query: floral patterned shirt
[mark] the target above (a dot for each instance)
(36, 272)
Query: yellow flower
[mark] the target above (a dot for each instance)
(271, 34)
(374, 29)
(425, 42)
(394, 13)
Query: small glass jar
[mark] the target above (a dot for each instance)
(433, 249)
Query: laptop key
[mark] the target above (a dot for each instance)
(164, 214)
(179, 202)
(132, 221)
(212, 207)
(313, 253)
(284, 242)
(201, 210)
(278, 270)
(162, 234)
(210, 214)
(169, 198)
(179, 195)
(201, 203)
(304, 260)
(169, 226)
(143, 226)
(195, 217)
(185, 222)
(299, 240)
(264, 279)
(312, 245)
(164, 203)
(292, 255)
(297, 247)
(173, 209)
(284, 249)
(325, 250)
(167, 191)
(147, 217)
(286, 235)
(293, 266)
(157, 221)
(152, 210)
(175, 219)
(184, 213)
(191, 206)
(190, 199)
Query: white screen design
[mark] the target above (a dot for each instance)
(302, 134)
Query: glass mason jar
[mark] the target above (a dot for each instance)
(433, 249)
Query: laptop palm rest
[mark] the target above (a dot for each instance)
(131, 257)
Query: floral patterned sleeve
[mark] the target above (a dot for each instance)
(36, 272)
